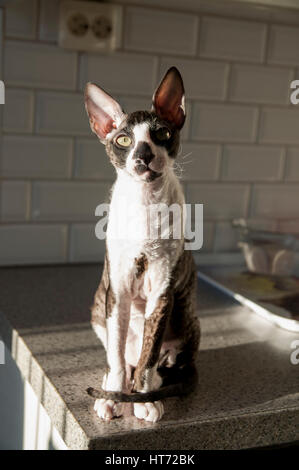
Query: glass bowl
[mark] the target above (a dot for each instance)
(270, 246)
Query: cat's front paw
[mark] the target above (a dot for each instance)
(114, 382)
(152, 412)
(108, 409)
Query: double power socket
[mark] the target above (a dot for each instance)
(90, 26)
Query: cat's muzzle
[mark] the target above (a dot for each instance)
(143, 170)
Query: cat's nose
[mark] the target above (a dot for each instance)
(143, 153)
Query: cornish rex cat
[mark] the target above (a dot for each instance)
(144, 308)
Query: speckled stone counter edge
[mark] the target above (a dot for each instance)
(233, 432)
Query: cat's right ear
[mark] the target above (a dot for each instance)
(104, 113)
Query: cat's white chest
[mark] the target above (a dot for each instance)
(129, 238)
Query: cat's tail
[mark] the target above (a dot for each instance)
(176, 382)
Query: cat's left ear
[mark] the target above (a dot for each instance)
(169, 99)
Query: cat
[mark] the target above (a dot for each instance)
(144, 310)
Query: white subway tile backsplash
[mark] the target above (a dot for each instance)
(18, 111)
(232, 39)
(91, 161)
(67, 201)
(56, 68)
(197, 162)
(14, 200)
(260, 84)
(35, 157)
(84, 245)
(32, 244)
(20, 19)
(160, 31)
(275, 201)
(60, 173)
(1, 56)
(220, 201)
(283, 43)
(202, 79)
(208, 236)
(119, 73)
(252, 163)
(61, 114)
(278, 125)
(185, 131)
(292, 164)
(250, 9)
(223, 122)
(226, 238)
(49, 20)
(131, 104)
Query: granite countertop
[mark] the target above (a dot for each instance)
(248, 394)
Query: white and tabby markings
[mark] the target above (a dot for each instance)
(136, 306)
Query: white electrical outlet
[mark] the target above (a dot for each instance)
(90, 26)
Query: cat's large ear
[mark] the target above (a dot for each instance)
(104, 113)
(169, 98)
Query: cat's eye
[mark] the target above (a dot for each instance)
(124, 140)
(163, 133)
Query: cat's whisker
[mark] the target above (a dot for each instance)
(179, 171)
(179, 164)
(180, 150)
(187, 155)
(186, 163)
